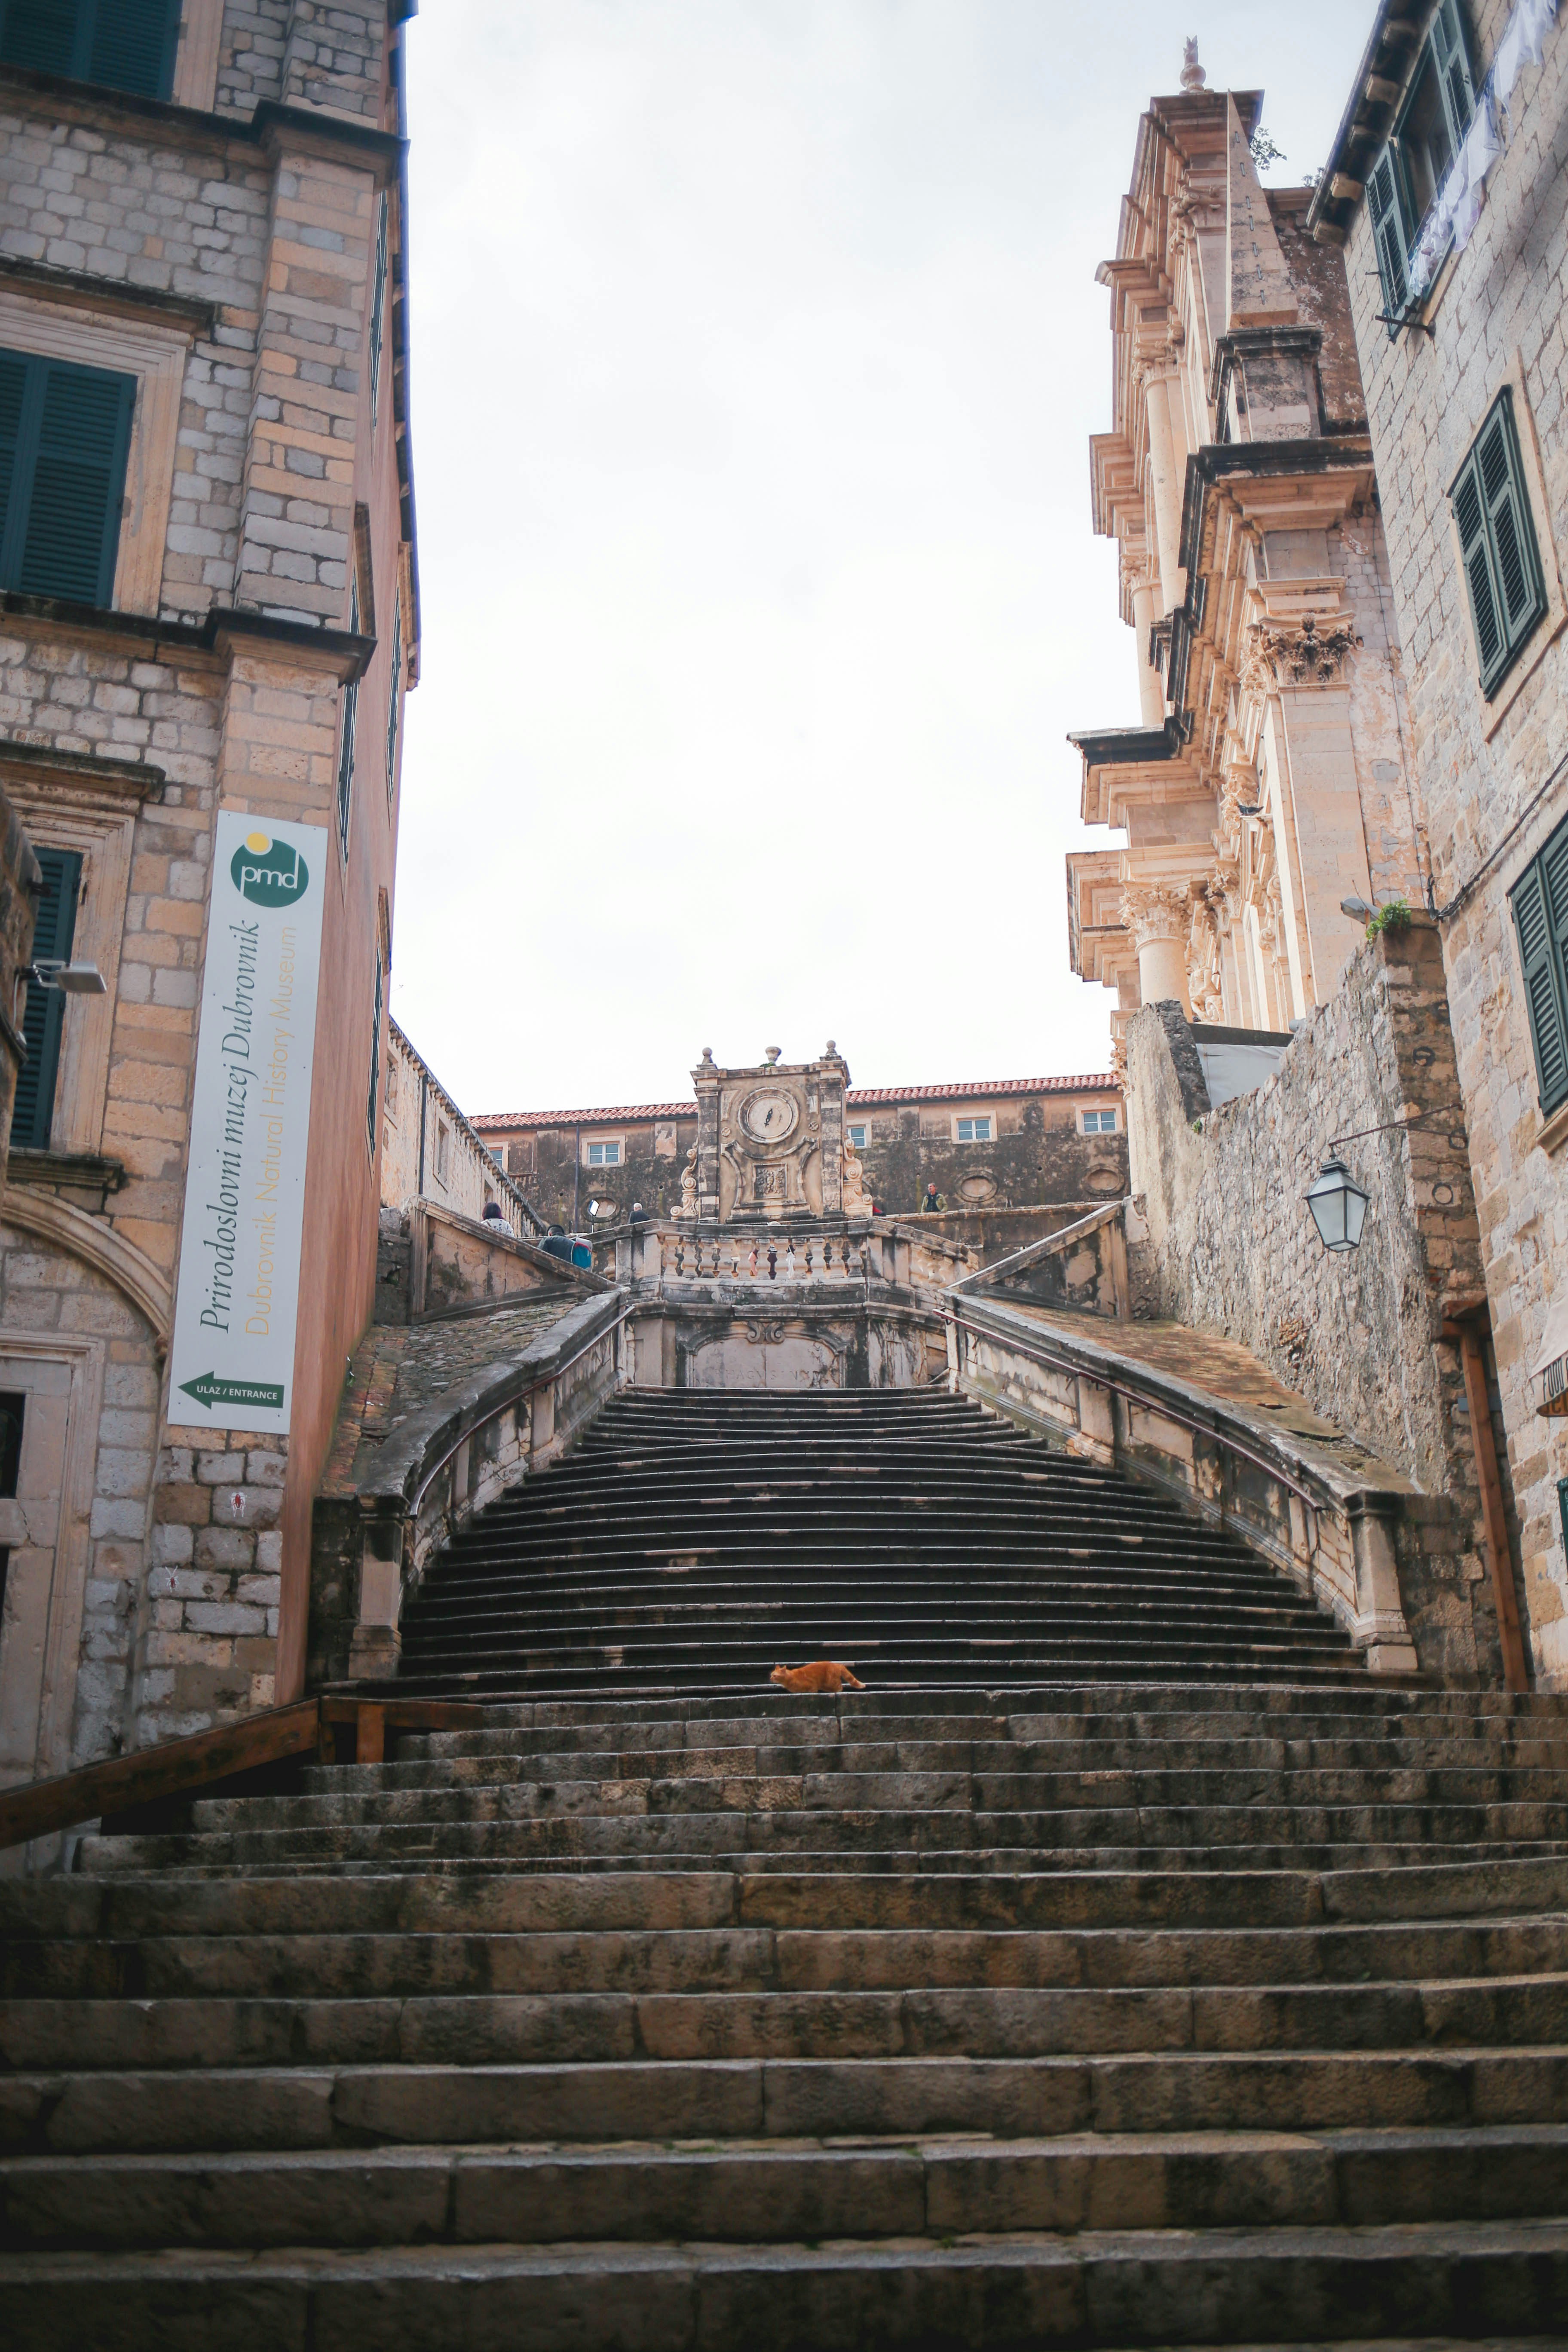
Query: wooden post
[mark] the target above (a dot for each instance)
(370, 1734)
(1473, 1357)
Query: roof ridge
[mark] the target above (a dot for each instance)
(1083, 1082)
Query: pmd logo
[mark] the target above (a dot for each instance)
(268, 873)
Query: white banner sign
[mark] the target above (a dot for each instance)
(238, 1293)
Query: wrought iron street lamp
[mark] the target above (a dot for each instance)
(1337, 1205)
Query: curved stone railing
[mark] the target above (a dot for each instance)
(439, 1467)
(1337, 1534)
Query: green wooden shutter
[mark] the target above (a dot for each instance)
(119, 44)
(1485, 612)
(64, 434)
(1451, 56)
(53, 931)
(1519, 580)
(13, 392)
(394, 698)
(374, 1095)
(72, 533)
(1501, 559)
(40, 34)
(346, 741)
(1539, 901)
(1386, 200)
(378, 306)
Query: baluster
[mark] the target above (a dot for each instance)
(772, 1263)
(753, 1261)
(789, 1261)
(680, 1256)
(808, 1261)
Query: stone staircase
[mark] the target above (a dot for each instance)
(1207, 2013)
(693, 1540)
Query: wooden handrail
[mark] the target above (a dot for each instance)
(177, 1768)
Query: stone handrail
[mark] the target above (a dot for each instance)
(828, 1250)
(435, 1469)
(1336, 1533)
(1108, 1220)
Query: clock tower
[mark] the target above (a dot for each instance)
(770, 1140)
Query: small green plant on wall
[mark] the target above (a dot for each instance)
(1395, 917)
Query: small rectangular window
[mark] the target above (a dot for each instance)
(13, 1407)
(603, 1155)
(857, 1137)
(1099, 1122)
(65, 432)
(442, 1139)
(974, 1131)
(377, 306)
(118, 44)
(1539, 903)
(346, 740)
(43, 1017)
(395, 699)
(373, 1097)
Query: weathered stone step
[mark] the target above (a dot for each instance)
(354, 1962)
(761, 2191)
(168, 2096)
(703, 1816)
(575, 2029)
(442, 1789)
(1105, 2288)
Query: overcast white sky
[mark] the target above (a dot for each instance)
(755, 350)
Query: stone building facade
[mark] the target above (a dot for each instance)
(429, 1151)
(1268, 779)
(1009, 1143)
(203, 338)
(1444, 193)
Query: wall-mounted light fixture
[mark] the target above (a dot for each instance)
(72, 978)
(1337, 1202)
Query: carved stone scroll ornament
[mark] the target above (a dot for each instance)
(1204, 983)
(1301, 653)
(689, 1184)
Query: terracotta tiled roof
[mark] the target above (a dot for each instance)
(859, 1099)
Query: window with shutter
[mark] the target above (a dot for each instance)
(1428, 133)
(395, 698)
(1390, 229)
(378, 306)
(346, 741)
(1539, 902)
(65, 433)
(1496, 538)
(373, 1097)
(44, 1016)
(118, 44)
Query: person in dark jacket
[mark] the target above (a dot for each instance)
(934, 1202)
(639, 1215)
(555, 1243)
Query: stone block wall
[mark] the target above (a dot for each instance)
(1231, 1245)
(1491, 773)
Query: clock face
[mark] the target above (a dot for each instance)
(769, 1115)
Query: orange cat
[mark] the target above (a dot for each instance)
(826, 1675)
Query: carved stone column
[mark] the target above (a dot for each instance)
(1158, 915)
(1151, 686)
(1167, 472)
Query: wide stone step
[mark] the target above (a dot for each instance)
(1101, 2287)
(765, 2190)
(1322, 1806)
(575, 2029)
(353, 1961)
